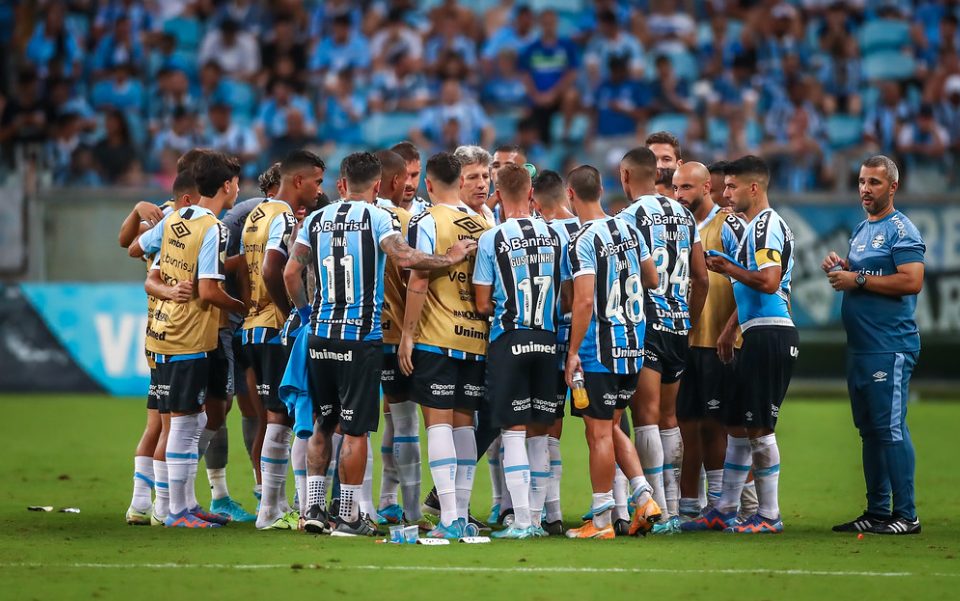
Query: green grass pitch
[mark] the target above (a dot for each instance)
(76, 451)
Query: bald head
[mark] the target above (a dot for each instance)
(691, 188)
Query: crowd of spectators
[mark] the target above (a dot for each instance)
(107, 92)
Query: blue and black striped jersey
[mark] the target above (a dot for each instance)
(768, 242)
(565, 229)
(345, 239)
(670, 231)
(612, 250)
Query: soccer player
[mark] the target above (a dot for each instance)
(411, 202)
(717, 169)
(707, 383)
(671, 306)
(444, 340)
(475, 180)
(610, 266)
(505, 154)
(517, 280)
(264, 250)
(880, 280)
(347, 244)
(551, 203)
(761, 289)
(666, 148)
(185, 337)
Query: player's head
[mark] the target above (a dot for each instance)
(393, 177)
(745, 181)
(474, 175)
(185, 191)
(717, 170)
(691, 185)
(301, 178)
(218, 177)
(879, 180)
(269, 181)
(664, 181)
(361, 175)
(548, 193)
(189, 158)
(513, 187)
(411, 156)
(506, 154)
(584, 187)
(666, 147)
(443, 175)
(638, 172)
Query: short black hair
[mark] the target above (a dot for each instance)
(360, 169)
(548, 185)
(212, 169)
(750, 166)
(184, 184)
(665, 176)
(508, 148)
(391, 163)
(408, 150)
(585, 181)
(189, 159)
(665, 137)
(642, 162)
(299, 160)
(718, 168)
(444, 167)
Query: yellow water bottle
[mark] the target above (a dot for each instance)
(580, 399)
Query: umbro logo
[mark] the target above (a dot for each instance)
(180, 229)
(468, 224)
(713, 403)
(879, 376)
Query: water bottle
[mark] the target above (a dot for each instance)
(580, 399)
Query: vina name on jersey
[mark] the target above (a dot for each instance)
(767, 242)
(670, 232)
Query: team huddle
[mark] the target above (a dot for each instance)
(489, 305)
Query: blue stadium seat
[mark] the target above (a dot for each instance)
(577, 132)
(883, 34)
(241, 97)
(571, 6)
(675, 123)
(505, 125)
(844, 131)
(386, 129)
(889, 65)
(684, 65)
(718, 132)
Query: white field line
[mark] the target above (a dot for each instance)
(468, 569)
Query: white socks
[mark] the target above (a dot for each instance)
(672, 444)
(218, 483)
(516, 473)
(161, 506)
(465, 442)
(714, 486)
(389, 480)
(181, 456)
(493, 463)
(539, 457)
(601, 508)
(349, 511)
(298, 460)
(442, 455)
(650, 450)
(365, 500)
(406, 452)
(316, 491)
(620, 494)
(766, 474)
(736, 466)
(273, 469)
(553, 486)
(142, 483)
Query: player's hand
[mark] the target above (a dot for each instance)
(718, 265)
(841, 281)
(831, 261)
(182, 292)
(461, 250)
(725, 344)
(405, 354)
(572, 366)
(149, 213)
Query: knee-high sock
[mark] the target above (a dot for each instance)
(493, 463)
(465, 442)
(506, 503)
(516, 473)
(736, 466)
(766, 474)
(389, 479)
(273, 466)
(672, 444)
(181, 453)
(216, 460)
(249, 426)
(365, 499)
(442, 455)
(161, 505)
(601, 507)
(539, 457)
(620, 495)
(714, 486)
(556, 475)
(143, 483)
(406, 451)
(298, 461)
(876, 475)
(650, 450)
(702, 488)
(190, 490)
(901, 465)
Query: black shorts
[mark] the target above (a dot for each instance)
(563, 392)
(153, 397)
(182, 385)
(707, 386)
(607, 392)
(665, 353)
(442, 382)
(269, 361)
(517, 390)
(763, 375)
(345, 383)
(395, 383)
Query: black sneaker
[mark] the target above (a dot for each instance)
(865, 523)
(502, 520)
(621, 527)
(554, 528)
(370, 522)
(481, 527)
(359, 528)
(316, 520)
(431, 505)
(899, 526)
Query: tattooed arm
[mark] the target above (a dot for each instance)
(407, 257)
(293, 274)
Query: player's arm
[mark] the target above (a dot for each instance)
(417, 287)
(274, 278)
(237, 265)
(483, 275)
(728, 338)
(482, 294)
(144, 216)
(182, 292)
(648, 274)
(580, 312)
(766, 279)
(148, 243)
(211, 292)
(566, 296)
(699, 283)
(908, 280)
(293, 278)
(406, 257)
(210, 272)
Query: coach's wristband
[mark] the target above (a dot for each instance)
(304, 313)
